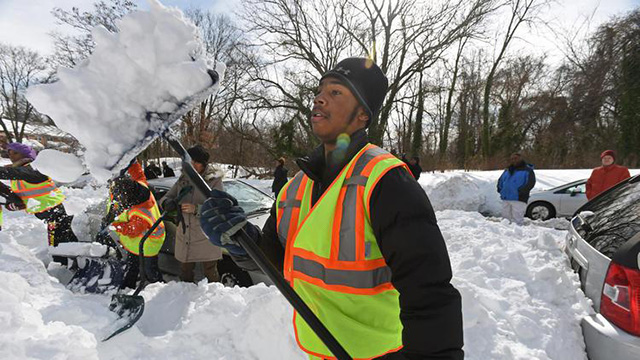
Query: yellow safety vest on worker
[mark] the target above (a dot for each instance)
(37, 197)
(149, 212)
(333, 261)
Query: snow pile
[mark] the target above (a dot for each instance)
(152, 64)
(59, 166)
(520, 298)
(520, 301)
(457, 193)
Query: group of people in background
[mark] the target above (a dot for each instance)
(518, 179)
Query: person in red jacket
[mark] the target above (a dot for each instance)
(607, 175)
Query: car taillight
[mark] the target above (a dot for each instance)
(620, 301)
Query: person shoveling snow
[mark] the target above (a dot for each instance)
(38, 194)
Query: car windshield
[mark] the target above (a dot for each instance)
(615, 219)
(249, 198)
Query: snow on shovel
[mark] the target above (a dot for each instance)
(136, 84)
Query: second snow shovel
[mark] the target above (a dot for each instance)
(131, 306)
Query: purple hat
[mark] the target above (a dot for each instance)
(23, 149)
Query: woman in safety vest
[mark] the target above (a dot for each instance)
(355, 235)
(39, 195)
(133, 210)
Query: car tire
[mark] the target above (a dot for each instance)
(540, 210)
(231, 275)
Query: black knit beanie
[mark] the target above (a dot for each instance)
(366, 81)
(199, 154)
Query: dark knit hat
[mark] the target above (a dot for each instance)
(366, 81)
(199, 154)
(608, 152)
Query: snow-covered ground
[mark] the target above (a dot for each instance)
(520, 298)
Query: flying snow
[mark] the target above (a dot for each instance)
(155, 62)
(59, 166)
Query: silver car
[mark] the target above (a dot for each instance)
(561, 201)
(603, 245)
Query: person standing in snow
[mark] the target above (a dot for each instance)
(607, 175)
(514, 186)
(192, 245)
(167, 171)
(38, 194)
(131, 212)
(355, 235)
(279, 177)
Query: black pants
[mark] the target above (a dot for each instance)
(132, 270)
(58, 228)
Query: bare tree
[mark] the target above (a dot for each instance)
(522, 12)
(19, 69)
(307, 38)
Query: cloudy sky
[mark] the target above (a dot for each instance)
(28, 22)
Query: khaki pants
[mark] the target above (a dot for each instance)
(514, 211)
(210, 271)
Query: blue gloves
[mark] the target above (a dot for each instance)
(221, 218)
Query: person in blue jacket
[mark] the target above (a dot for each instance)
(514, 187)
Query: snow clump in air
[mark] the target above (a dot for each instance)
(59, 166)
(152, 64)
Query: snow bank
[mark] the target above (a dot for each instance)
(59, 166)
(520, 298)
(152, 64)
(520, 301)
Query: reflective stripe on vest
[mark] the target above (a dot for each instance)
(153, 244)
(37, 197)
(333, 262)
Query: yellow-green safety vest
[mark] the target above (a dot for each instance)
(149, 212)
(332, 259)
(37, 197)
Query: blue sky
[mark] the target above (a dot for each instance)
(28, 22)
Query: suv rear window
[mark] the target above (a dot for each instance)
(616, 217)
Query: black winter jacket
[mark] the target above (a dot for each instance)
(405, 226)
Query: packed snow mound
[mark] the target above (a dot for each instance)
(456, 193)
(155, 62)
(79, 249)
(520, 298)
(59, 166)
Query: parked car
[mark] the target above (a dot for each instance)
(603, 245)
(561, 201)
(256, 205)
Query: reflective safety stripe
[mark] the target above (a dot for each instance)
(25, 192)
(290, 204)
(359, 279)
(350, 206)
(159, 231)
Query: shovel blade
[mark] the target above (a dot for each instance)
(128, 307)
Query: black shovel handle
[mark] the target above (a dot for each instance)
(263, 263)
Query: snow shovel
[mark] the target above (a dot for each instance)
(265, 265)
(132, 306)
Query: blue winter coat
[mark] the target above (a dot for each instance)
(516, 182)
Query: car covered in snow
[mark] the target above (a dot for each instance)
(603, 245)
(560, 201)
(256, 205)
